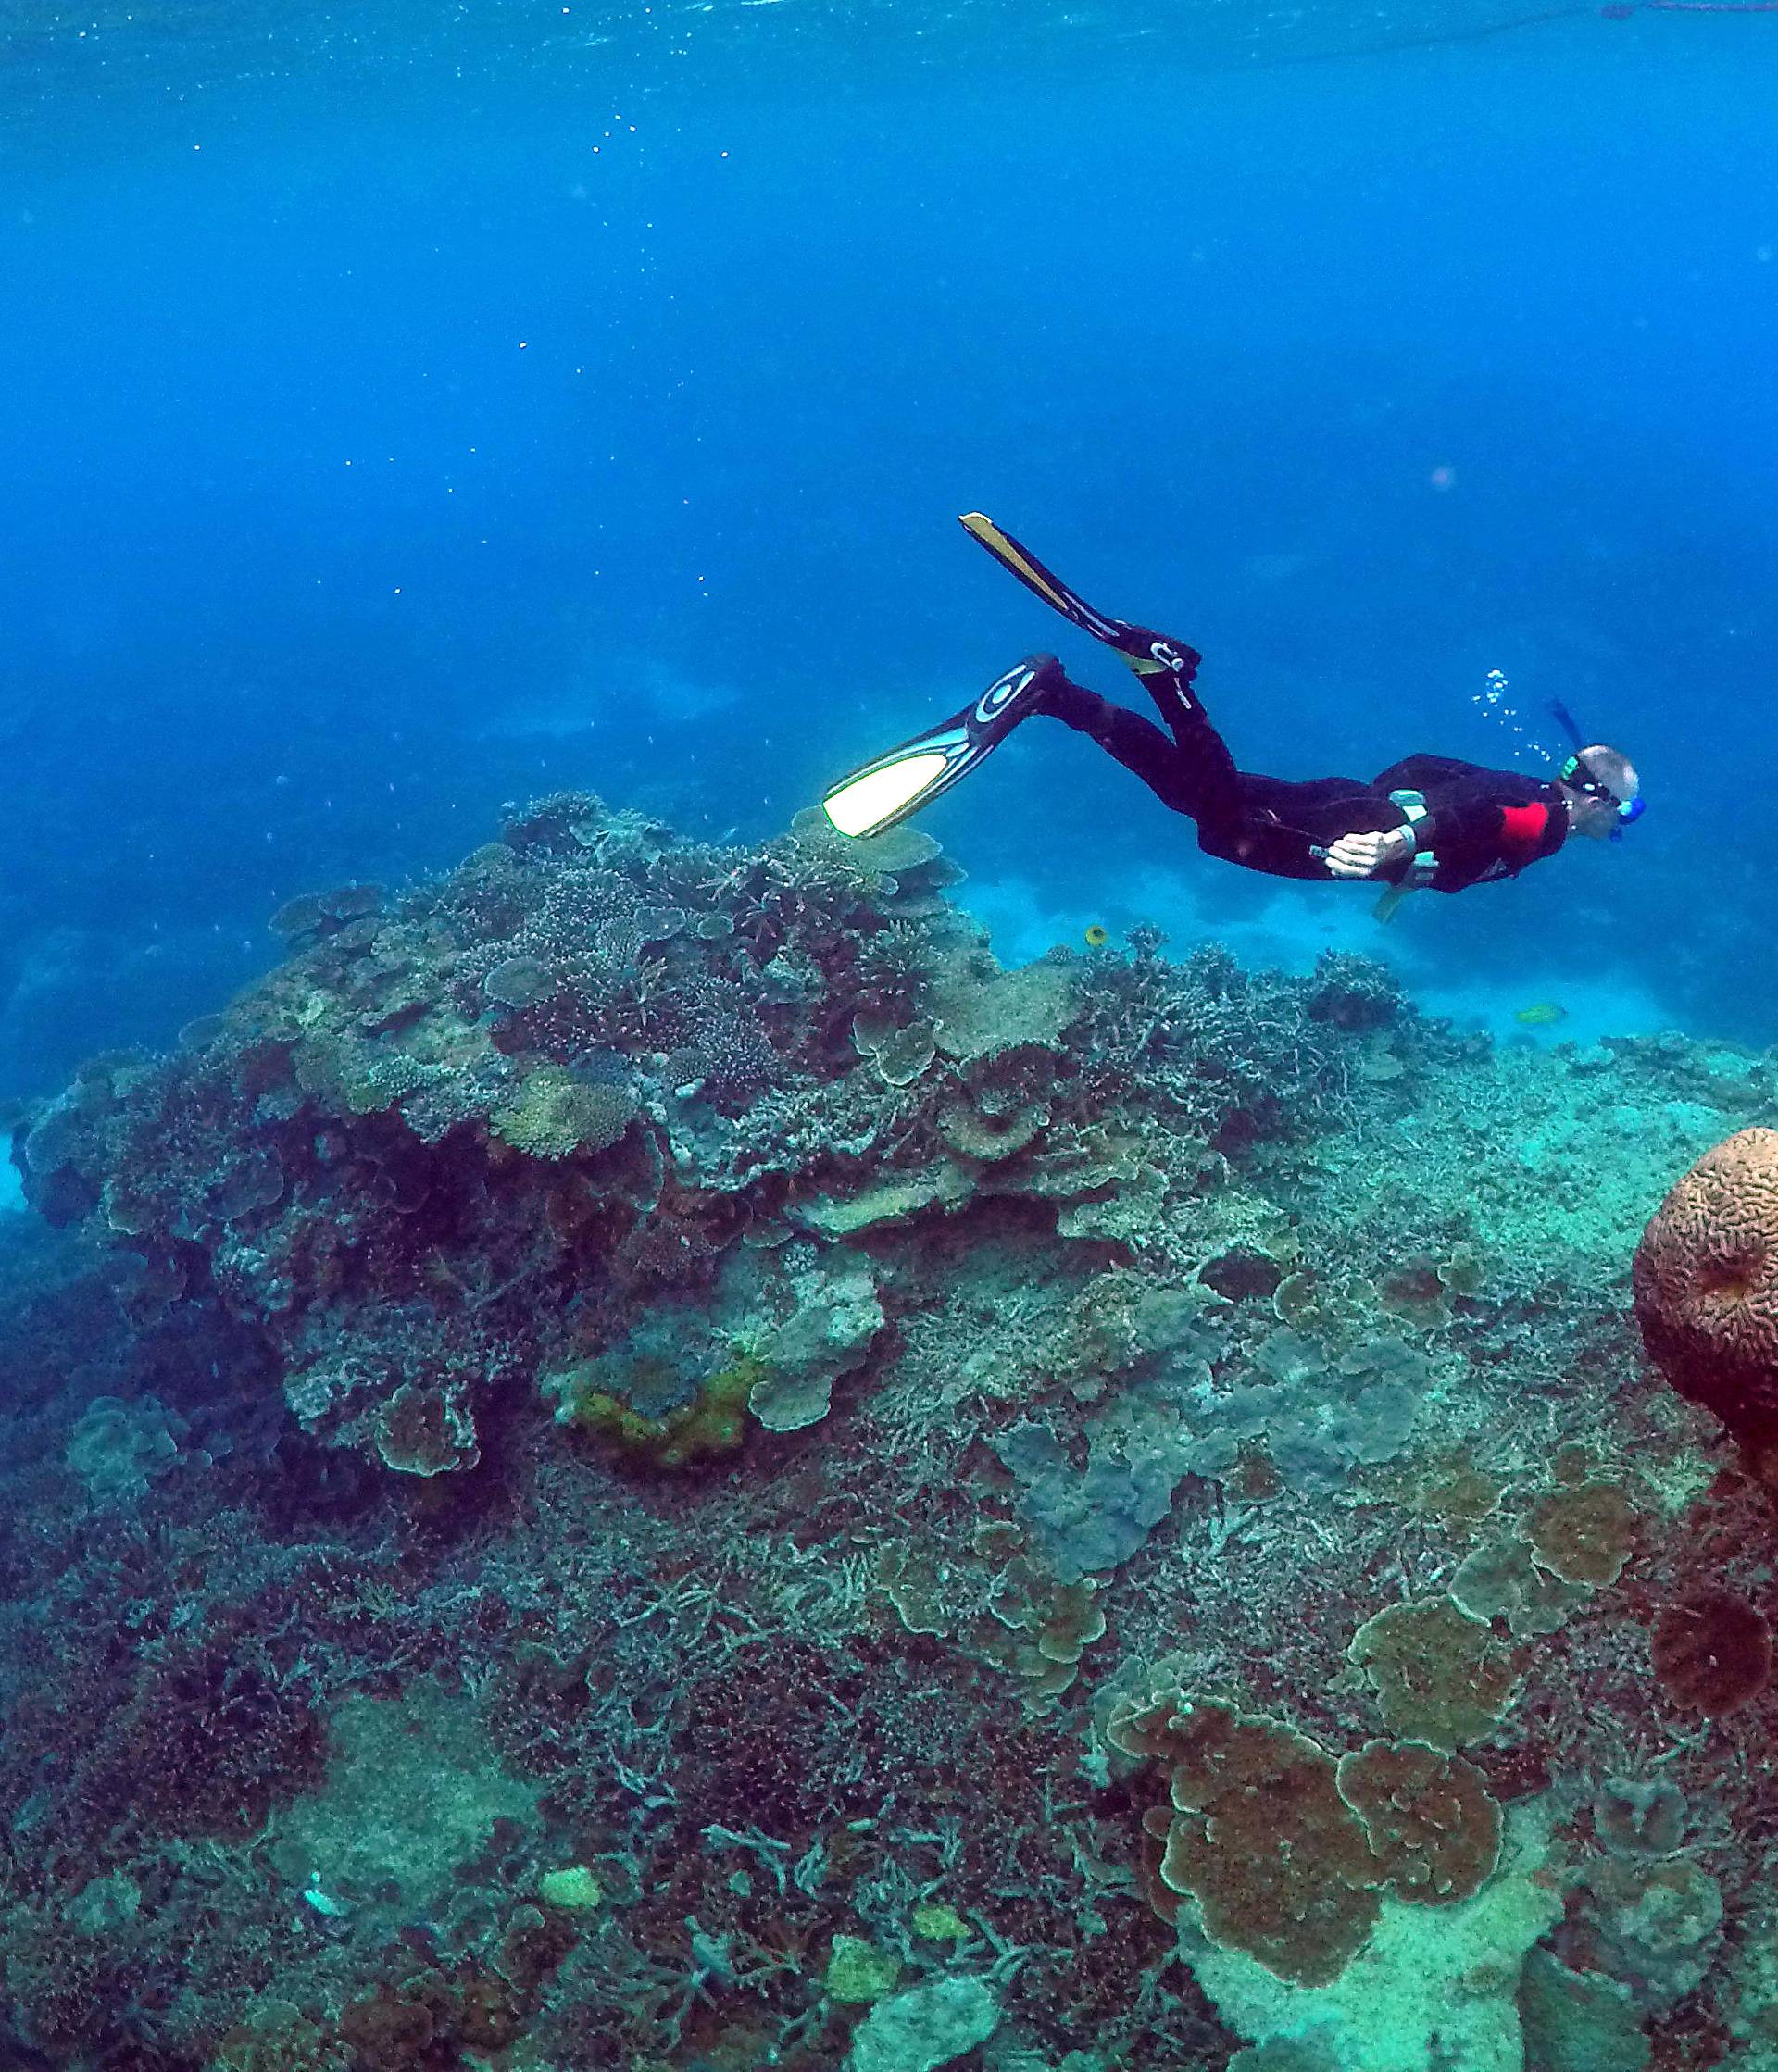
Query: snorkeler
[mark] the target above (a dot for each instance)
(1426, 820)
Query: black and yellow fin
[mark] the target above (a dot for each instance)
(1148, 652)
(1045, 582)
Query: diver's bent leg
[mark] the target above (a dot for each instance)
(1136, 742)
(1192, 773)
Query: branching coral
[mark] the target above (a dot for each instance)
(213, 1739)
(555, 1114)
(277, 2036)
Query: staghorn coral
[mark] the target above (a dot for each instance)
(212, 1741)
(1353, 992)
(61, 1986)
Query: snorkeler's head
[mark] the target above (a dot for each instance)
(1604, 792)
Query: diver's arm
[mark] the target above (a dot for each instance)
(1465, 839)
(1466, 827)
(1370, 854)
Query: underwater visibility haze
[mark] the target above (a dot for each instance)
(643, 1432)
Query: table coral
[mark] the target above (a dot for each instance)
(1430, 1819)
(1500, 1579)
(1431, 1989)
(1259, 1836)
(1583, 1534)
(1440, 1676)
(1712, 1652)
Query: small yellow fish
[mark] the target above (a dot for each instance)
(1096, 937)
(1541, 1014)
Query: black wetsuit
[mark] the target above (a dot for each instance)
(1480, 824)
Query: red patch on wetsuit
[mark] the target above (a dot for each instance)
(1523, 829)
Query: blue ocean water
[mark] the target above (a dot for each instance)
(413, 411)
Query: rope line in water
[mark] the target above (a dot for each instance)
(1613, 10)
(1620, 10)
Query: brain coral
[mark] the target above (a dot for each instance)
(1706, 1281)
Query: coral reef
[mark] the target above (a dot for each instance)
(641, 1457)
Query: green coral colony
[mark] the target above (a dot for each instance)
(796, 1497)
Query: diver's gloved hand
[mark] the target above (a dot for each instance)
(1369, 855)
